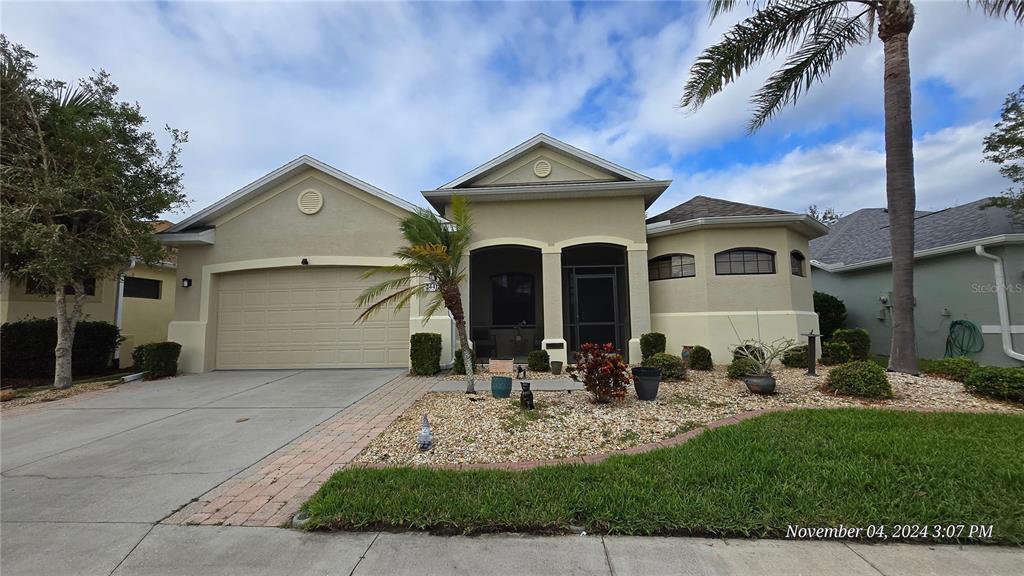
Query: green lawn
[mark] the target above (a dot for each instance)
(817, 468)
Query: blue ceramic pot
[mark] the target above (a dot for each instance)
(501, 386)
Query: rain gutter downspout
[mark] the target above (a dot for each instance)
(1004, 309)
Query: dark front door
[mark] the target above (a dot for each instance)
(594, 310)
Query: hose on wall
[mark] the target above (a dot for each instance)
(964, 338)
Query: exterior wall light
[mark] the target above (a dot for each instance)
(186, 282)
(305, 262)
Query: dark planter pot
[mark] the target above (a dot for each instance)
(646, 381)
(501, 386)
(760, 384)
(556, 367)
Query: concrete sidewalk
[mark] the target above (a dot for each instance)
(226, 550)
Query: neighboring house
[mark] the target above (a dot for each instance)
(143, 312)
(562, 254)
(952, 280)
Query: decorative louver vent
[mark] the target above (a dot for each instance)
(310, 202)
(542, 168)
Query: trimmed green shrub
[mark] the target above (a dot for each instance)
(751, 350)
(999, 383)
(538, 361)
(157, 359)
(831, 313)
(671, 366)
(425, 353)
(860, 378)
(700, 358)
(857, 339)
(795, 357)
(741, 367)
(652, 343)
(27, 348)
(956, 368)
(833, 353)
(457, 363)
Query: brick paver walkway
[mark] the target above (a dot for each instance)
(270, 492)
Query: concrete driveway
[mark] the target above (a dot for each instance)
(83, 481)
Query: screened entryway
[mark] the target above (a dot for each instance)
(505, 302)
(595, 295)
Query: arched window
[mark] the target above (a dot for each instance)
(796, 263)
(745, 261)
(671, 266)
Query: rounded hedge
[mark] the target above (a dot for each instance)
(457, 363)
(742, 367)
(956, 368)
(27, 349)
(857, 339)
(999, 383)
(831, 313)
(652, 343)
(157, 359)
(425, 353)
(538, 361)
(860, 378)
(700, 358)
(833, 353)
(671, 366)
(795, 357)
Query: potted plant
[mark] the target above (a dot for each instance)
(603, 372)
(556, 367)
(646, 380)
(760, 356)
(501, 386)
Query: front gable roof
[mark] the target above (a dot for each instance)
(201, 221)
(587, 165)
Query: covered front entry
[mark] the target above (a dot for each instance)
(304, 318)
(506, 302)
(595, 289)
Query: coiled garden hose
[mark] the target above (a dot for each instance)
(964, 338)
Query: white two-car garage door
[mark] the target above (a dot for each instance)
(303, 318)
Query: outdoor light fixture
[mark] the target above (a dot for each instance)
(305, 262)
(425, 439)
(186, 282)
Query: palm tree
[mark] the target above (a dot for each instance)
(815, 34)
(431, 268)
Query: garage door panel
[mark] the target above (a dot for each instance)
(304, 317)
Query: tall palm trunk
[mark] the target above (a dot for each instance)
(453, 301)
(896, 19)
(67, 321)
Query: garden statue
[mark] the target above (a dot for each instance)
(526, 398)
(425, 439)
(520, 371)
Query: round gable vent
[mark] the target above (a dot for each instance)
(542, 168)
(310, 202)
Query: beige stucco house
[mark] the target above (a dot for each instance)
(563, 253)
(141, 303)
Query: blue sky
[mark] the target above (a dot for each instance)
(409, 96)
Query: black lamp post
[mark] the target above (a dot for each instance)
(812, 349)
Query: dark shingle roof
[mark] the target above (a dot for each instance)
(864, 235)
(704, 207)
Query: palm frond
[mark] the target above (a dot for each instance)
(396, 300)
(1003, 8)
(373, 292)
(436, 303)
(811, 63)
(779, 25)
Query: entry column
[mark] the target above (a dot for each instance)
(551, 274)
(639, 299)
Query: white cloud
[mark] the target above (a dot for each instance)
(850, 174)
(410, 96)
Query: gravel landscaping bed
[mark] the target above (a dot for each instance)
(477, 429)
(484, 376)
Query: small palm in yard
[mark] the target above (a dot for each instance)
(431, 268)
(816, 34)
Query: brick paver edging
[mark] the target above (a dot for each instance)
(271, 491)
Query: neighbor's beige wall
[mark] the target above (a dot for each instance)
(710, 310)
(145, 320)
(16, 304)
